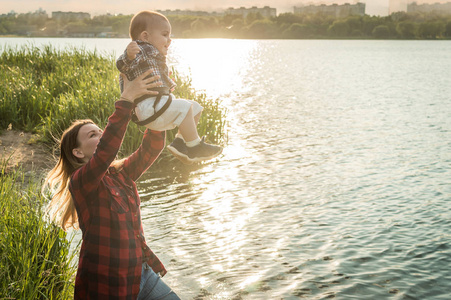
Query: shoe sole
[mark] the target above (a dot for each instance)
(185, 158)
(201, 159)
(179, 155)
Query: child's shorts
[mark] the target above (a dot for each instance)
(172, 117)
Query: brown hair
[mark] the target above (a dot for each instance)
(143, 21)
(58, 178)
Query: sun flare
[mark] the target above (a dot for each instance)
(202, 66)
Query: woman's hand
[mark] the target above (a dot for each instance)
(139, 86)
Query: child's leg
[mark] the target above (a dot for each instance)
(197, 118)
(196, 121)
(187, 146)
(188, 127)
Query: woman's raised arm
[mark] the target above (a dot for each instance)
(88, 177)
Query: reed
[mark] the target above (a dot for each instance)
(43, 90)
(35, 262)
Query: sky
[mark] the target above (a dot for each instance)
(100, 7)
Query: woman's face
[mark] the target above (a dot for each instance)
(88, 138)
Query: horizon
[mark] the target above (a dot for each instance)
(102, 7)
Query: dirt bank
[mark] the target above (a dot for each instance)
(22, 150)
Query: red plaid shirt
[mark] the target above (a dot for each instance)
(108, 208)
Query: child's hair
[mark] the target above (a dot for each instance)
(144, 20)
(58, 178)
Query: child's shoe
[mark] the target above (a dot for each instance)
(203, 151)
(179, 149)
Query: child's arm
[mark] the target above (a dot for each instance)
(132, 50)
(128, 59)
(149, 150)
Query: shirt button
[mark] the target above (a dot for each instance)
(117, 194)
(137, 236)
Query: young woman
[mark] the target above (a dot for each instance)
(98, 194)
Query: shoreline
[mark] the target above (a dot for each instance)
(22, 151)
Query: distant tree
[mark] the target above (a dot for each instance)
(381, 32)
(77, 27)
(339, 29)
(354, 23)
(181, 25)
(406, 29)
(289, 18)
(3, 30)
(228, 19)
(356, 33)
(298, 31)
(431, 30)
(369, 23)
(198, 27)
(51, 28)
(6, 25)
(236, 29)
(252, 17)
(238, 23)
(447, 32)
(121, 26)
(204, 27)
(261, 29)
(399, 16)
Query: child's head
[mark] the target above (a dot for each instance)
(151, 27)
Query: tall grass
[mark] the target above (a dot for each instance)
(34, 254)
(44, 89)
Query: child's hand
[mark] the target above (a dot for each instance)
(132, 50)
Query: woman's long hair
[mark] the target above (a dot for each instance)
(62, 204)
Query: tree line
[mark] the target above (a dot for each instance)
(400, 25)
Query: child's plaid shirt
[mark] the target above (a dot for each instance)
(148, 58)
(108, 208)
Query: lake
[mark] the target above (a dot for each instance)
(335, 181)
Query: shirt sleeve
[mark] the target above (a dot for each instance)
(127, 66)
(88, 177)
(124, 64)
(151, 147)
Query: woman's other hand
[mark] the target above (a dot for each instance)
(139, 86)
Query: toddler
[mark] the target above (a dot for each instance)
(150, 33)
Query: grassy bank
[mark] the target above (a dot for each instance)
(34, 254)
(44, 89)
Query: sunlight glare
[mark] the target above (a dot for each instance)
(250, 280)
(216, 65)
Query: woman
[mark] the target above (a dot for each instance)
(98, 194)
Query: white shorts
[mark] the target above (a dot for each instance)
(172, 117)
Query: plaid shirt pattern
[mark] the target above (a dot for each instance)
(108, 208)
(148, 58)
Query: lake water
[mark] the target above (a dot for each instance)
(335, 182)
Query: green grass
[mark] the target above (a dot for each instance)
(34, 254)
(42, 90)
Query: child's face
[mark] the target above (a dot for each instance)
(160, 37)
